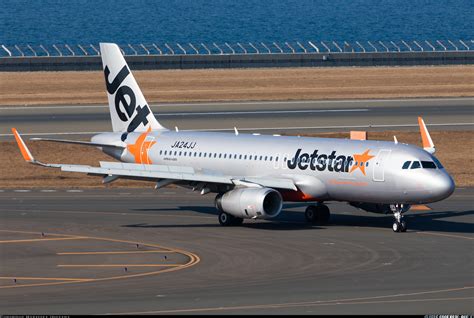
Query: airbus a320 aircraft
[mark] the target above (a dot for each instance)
(254, 174)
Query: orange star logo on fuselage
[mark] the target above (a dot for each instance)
(361, 161)
(140, 148)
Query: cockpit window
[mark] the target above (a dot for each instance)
(438, 164)
(415, 165)
(406, 165)
(428, 165)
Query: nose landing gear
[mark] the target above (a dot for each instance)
(398, 209)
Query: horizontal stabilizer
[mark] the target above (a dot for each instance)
(77, 142)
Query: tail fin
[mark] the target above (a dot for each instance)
(129, 110)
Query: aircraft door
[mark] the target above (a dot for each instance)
(380, 160)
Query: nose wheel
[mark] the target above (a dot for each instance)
(398, 209)
(317, 214)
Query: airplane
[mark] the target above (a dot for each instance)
(253, 175)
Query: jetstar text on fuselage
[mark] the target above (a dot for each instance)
(320, 162)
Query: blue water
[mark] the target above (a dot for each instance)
(145, 21)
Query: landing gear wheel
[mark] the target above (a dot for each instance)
(238, 221)
(396, 227)
(323, 214)
(403, 226)
(311, 214)
(398, 209)
(225, 219)
(317, 214)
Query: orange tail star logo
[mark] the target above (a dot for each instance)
(140, 148)
(361, 161)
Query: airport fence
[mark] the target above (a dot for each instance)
(228, 55)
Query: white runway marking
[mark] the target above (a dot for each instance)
(255, 128)
(331, 127)
(256, 112)
(249, 103)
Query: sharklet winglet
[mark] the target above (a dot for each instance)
(428, 144)
(25, 152)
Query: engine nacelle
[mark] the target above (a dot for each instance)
(263, 203)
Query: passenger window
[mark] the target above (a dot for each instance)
(215, 155)
(220, 155)
(166, 151)
(250, 157)
(271, 158)
(415, 165)
(175, 153)
(180, 153)
(245, 157)
(266, 158)
(161, 151)
(200, 154)
(240, 156)
(428, 165)
(195, 154)
(276, 159)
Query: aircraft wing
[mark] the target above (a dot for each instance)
(181, 173)
(115, 170)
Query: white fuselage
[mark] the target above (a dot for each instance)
(322, 168)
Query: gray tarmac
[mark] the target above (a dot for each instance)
(81, 121)
(356, 265)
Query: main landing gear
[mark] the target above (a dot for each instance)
(317, 214)
(227, 219)
(398, 209)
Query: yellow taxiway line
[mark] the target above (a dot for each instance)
(44, 239)
(112, 252)
(119, 265)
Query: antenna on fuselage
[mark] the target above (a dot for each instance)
(395, 140)
(176, 128)
(236, 131)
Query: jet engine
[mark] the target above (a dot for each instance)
(262, 203)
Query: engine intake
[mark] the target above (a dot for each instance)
(263, 203)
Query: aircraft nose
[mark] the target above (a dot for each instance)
(442, 186)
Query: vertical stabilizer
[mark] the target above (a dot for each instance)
(129, 110)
